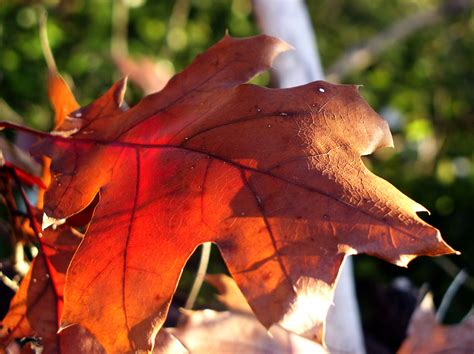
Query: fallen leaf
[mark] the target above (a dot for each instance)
(35, 309)
(166, 343)
(427, 335)
(272, 176)
(229, 293)
(210, 331)
(149, 76)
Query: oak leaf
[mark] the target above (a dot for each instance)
(272, 176)
(209, 331)
(427, 335)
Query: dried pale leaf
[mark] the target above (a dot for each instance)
(427, 335)
(149, 76)
(166, 343)
(229, 293)
(209, 331)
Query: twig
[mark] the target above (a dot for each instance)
(452, 269)
(361, 57)
(179, 14)
(449, 295)
(8, 282)
(118, 43)
(201, 273)
(43, 32)
(178, 19)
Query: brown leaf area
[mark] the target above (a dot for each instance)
(426, 335)
(235, 333)
(34, 309)
(272, 176)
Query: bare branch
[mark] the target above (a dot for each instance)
(360, 57)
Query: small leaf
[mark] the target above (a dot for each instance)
(427, 335)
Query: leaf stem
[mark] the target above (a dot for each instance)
(201, 273)
(48, 54)
(13, 285)
(118, 43)
(449, 295)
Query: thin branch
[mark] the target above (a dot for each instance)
(359, 58)
(452, 269)
(13, 285)
(449, 295)
(201, 273)
(43, 32)
(119, 43)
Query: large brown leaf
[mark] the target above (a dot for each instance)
(273, 177)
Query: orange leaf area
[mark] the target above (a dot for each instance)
(427, 335)
(272, 176)
(34, 311)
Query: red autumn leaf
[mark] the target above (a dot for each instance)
(36, 307)
(61, 97)
(63, 102)
(427, 335)
(273, 177)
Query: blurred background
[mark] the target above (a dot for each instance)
(414, 58)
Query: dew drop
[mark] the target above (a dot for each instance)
(259, 200)
(322, 90)
(283, 114)
(269, 126)
(192, 167)
(326, 217)
(259, 109)
(313, 105)
(208, 157)
(242, 213)
(186, 139)
(47, 276)
(34, 280)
